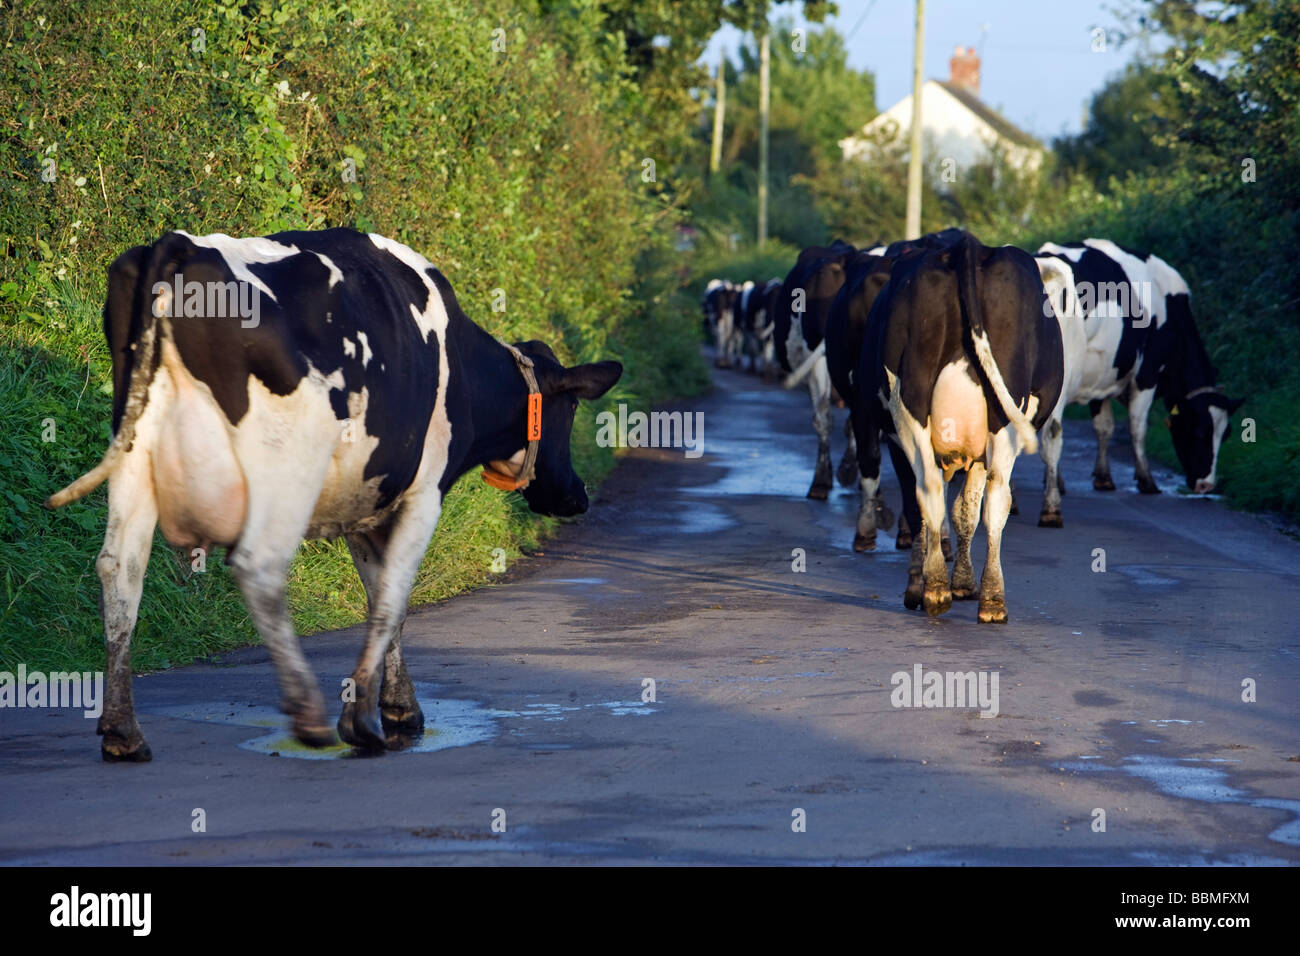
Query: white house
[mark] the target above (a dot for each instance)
(955, 123)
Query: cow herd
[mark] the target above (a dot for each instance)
(958, 357)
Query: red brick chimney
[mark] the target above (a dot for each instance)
(964, 69)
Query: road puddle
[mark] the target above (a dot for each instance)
(447, 723)
(1200, 779)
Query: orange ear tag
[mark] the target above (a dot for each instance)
(535, 416)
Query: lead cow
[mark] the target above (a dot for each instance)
(348, 403)
(961, 353)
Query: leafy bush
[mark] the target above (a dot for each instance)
(498, 140)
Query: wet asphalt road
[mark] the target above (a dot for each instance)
(1119, 691)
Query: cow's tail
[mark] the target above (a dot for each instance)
(135, 400)
(968, 294)
(798, 375)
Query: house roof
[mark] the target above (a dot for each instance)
(1001, 125)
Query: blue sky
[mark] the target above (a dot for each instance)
(1038, 68)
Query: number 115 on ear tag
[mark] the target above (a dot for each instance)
(535, 416)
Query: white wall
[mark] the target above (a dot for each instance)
(948, 130)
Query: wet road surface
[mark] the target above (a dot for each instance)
(1119, 691)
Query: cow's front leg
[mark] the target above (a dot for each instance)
(1139, 408)
(847, 473)
(1049, 449)
(132, 514)
(997, 505)
(911, 515)
(966, 516)
(360, 723)
(915, 592)
(399, 711)
(819, 390)
(722, 336)
(769, 357)
(1103, 423)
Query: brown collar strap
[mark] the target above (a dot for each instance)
(499, 479)
(1203, 390)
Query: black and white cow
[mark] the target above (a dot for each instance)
(348, 405)
(960, 351)
(799, 327)
(721, 299)
(1136, 340)
(866, 274)
(756, 323)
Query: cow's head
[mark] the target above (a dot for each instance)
(1198, 425)
(556, 488)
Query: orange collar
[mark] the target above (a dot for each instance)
(498, 478)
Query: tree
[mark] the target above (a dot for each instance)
(817, 99)
(1132, 123)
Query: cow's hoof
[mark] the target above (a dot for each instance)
(937, 600)
(862, 543)
(313, 732)
(902, 542)
(1148, 487)
(402, 726)
(1050, 519)
(912, 596)
(361, 728)
(1103, 483)
(819, 492)
(847, 473)
(964, 593)
(993, 612)
(115, 749)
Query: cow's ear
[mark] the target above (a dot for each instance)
(591, 381)
(1230, 404)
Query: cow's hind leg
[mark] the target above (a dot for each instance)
(819, 389)
(360, 723)
(1103, 423)
(1049, 449)
(132, 515)
(997, 505)
(936, 596)
(399, 711)
(966, 516)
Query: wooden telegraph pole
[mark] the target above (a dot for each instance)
(913, 228)
(719, 114)
(764, 103)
